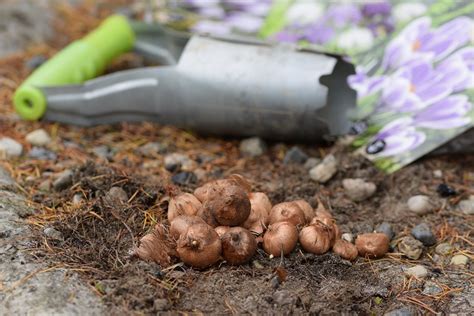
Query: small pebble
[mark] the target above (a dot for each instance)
(63, 181)
(117, 195)
(358, 190)
(410, 247)
(53, 233)
(431, 288)
(459, 260)
(176, 161)
(10, 148)
(423, 233)
(35, 61)
(443, 249)
(445, 190)
(103, 151)
(77, 199)
(420, 204)
(45, 186)
(38, 137)
(438, 174)
(348, 237)
(41, 153)
(467, 206)
(385, 228)
(283, 297)
(161, 304)
(151, 150)
(418, 271)
(325, 170)
(184, 178)
(200, 173)
(311, 163)
(295, 155)
(252, 147)
(403, 311)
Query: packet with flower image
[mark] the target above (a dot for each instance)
(415, 61)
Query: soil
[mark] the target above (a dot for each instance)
(100, 233)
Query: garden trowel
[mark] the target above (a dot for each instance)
(223, 86)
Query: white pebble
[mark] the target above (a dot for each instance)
(438, 174)
(10, 148)
(418, 271)
(348, 237)
(420, 204)
(325, 170)
(252, 147)
(358, 190)
(467, 206)
(459, 260)
(38, 137)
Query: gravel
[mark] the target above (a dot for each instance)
(295, 156)
(252, 147)
(423, 233)
(41, 153)
(184, 178)
(311, 163)
(53, 233)
(410, 247)
(116, 195)
(417, 271)
(358, 190)
(443, 249)
(324, 171)
(176, 161)
(10, 148)
(459, 260)
(420, 204)
(385, 228)
(467, 206)
(63, 181)
(38, 137)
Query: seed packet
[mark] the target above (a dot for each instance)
(414, 61)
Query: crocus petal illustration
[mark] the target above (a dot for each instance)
(402, 141)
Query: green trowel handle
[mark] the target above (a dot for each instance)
(80, 61)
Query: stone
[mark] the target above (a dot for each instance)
(443, 249)
(403, 311)
(438, 174)
(295, 156)
(410, 247)
(385, 228)
(53, 233)
(467, 206)
(358, 190)
(431, 288)
(283, 297)
(161, 304)
(45, 185)
(77, 199)
(103, 151)
(252, 147)
(417, 271)
(348, 237)
(420, 204)
(41, 153)
(151, 150)
(200, 174)
(324, 171)
(35, 61)
(459, 260)
(423, 233)
(63, 181)
(184, 178)
(311, 163)
(116, 195)
(10, 148)
(176, 162)
(6, 180)
(38, 137)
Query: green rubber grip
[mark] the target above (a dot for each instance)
(81, 60)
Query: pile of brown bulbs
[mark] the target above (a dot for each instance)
(224, 219)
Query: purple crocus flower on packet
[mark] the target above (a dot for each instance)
(419, 40)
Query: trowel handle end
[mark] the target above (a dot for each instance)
(82, 60)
